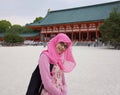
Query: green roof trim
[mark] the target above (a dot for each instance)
(2, 34)
(24, 34)
(79, 14)
(29, 34)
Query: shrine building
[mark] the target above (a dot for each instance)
(80, 24)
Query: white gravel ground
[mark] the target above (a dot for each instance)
(97, 71)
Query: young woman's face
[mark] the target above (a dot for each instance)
(61, 47)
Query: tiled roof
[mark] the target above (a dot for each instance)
(79, 14)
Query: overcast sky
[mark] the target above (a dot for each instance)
(25, 11)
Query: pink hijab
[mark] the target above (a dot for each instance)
(65, 60)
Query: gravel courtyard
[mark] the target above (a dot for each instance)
(97, 71)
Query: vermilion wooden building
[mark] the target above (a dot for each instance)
(80, 24)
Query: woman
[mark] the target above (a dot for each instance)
(59, 54)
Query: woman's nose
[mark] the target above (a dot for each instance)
(63, 47)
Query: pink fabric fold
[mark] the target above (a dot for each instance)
(65, 60)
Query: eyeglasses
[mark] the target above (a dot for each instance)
(64, 44)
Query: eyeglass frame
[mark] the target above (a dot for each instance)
(64, 44)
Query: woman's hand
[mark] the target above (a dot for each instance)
(64, 90)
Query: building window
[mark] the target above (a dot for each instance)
(92, 26)
(43, 30)
(61, 29)
(83, 27)
(49, 29)
(68, 28)
(75, 28)
(55, 29)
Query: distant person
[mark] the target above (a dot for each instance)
(88, 44)
(60, 55)
(44, 44)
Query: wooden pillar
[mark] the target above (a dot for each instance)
(79, 35)
(40, 37)
(72, 33)
(97, 34)
(90, 35)
(82, 36)
(65, 30)
(80, 32)
(46, 36)
(88, 32)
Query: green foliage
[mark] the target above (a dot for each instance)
(37, 19)
(20, 29)
(15, 29)
(13, 38)
(27, 30)
(4, 26)
(110, 30)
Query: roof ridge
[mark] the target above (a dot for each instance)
(78, 14)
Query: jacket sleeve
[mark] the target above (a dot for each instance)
(44, 66)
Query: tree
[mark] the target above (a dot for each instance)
(20, 29)
(27, 30)
(4, 26)
(15, 29)
(110, 30)
(37, 19)
(12, 38)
